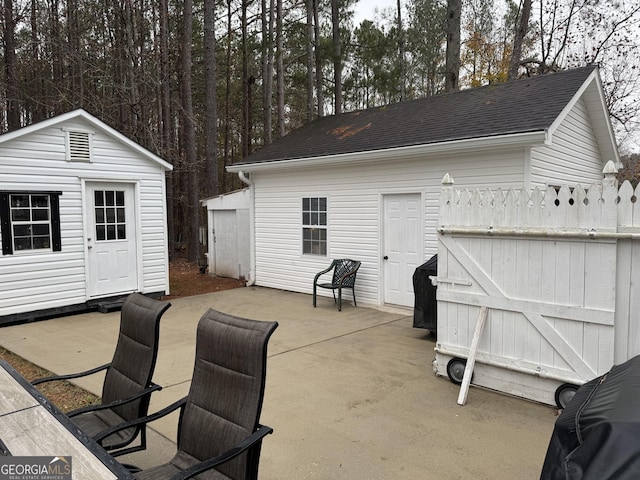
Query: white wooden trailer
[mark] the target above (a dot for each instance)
(558, 272)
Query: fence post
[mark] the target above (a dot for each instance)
(610, 196)
(446, 201)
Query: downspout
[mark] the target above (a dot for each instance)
(246, 179)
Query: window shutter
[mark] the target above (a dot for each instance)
(56, 240)
(5, 226)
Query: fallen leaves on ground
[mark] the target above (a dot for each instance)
(186, 280)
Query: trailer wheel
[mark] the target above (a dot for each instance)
(564, 394)
(455, 369)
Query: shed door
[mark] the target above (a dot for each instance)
(111, 239)
(402, 249)
(225, 234)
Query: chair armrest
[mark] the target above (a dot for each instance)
(244, 445)
(71, 375)
(142, 420)
(116, 403)
(319, 274)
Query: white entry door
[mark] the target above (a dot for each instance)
(225, 234)
(402, 249)
(111, 239)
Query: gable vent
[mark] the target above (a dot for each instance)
(79, 146)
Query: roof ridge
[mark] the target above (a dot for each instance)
(524, 105)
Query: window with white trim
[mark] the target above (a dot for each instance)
(314, 225)
(30, 221)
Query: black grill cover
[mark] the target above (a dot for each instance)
(597, 436)
(425, 314)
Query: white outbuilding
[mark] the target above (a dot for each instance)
(83, 218)
(365, 185)
(228, 234)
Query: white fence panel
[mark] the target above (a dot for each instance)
(547, 264)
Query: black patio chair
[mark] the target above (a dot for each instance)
(219, 436)
(127, 386)
(344, 276)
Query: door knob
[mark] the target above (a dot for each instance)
(386, 257)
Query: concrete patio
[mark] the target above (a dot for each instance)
(349, 394)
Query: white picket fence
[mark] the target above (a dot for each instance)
(559, 272)
(600, 207)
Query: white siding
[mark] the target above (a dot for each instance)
(354, 196)
(573, 156)
(36, 161)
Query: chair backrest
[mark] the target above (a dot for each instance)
(225, 399)
(134, 359)
(342, 266)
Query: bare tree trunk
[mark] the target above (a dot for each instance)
(403, 75)
(337, 57)
(57, 100)
(521, 31)
(267, 69)
(319, 82)
(227, 97)
(280, 70)
(165, 115)
(211, 114)
(121, 95)
(452, 75)
(12, 90)
(188, 135)
(131, 66)
(145, 134)
(246, 82)
(309, 41)
(37, 111)
(74, 59)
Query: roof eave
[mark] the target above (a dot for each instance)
(413, 151)
(592, 92)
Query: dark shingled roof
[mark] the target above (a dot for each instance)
(520, 106)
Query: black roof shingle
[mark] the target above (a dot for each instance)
(520, 106)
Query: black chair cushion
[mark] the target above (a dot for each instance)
(95, 422)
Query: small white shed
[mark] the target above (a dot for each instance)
(228, 234)
(82, 218)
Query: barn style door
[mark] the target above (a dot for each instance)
(551, 304)
(111, 239)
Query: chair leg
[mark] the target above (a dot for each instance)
(333, 290)
(314, 294)
(353, 290)
(340, 299)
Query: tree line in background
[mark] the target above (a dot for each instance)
(203, 83)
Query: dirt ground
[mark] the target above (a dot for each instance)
(185, 280)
